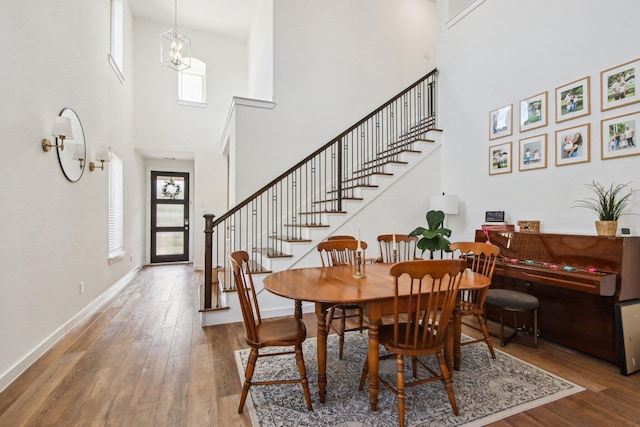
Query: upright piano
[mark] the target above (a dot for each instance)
(577, 278)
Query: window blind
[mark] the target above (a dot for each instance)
(116, 207)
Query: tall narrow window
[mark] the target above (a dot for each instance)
(116, 208)
(116, 56)
(192, 83)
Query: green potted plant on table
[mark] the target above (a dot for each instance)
(433, 238)
(609, 203)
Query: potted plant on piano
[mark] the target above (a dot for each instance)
(433, 238)
(609, 203)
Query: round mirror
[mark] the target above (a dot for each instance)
(73, 157)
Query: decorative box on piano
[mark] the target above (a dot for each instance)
(577, 278)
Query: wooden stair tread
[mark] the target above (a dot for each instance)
(353, 187)
(307, 225)
(394, 152)
(403, 142)
(213, 308)
(270, 253)
(366, 175)
(320, 212)
(291, 239)
(380, 164)
(344, 198)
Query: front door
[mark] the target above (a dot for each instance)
(169, 216)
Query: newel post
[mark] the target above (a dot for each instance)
(208, 258)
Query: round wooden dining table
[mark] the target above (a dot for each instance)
(327, 286)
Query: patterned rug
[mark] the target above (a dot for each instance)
(486, 390)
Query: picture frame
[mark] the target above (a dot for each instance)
(533, 153)
(501, 122)
(619, 136)
(573, 145)
(533, 112)
(612, 95)
(500, 158)
(573, 100)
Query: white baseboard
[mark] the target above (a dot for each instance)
(16, 370)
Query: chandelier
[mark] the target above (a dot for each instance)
(175, 47)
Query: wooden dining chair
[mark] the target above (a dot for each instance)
(405, 248)
(422, 308)
(259, 333)
(342, 252)
(481, 258)
(338, 237)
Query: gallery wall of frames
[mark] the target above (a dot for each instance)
(616, 134)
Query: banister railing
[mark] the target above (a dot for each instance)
(279, 212)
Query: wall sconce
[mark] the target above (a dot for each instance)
(103, 155)
(61, 130)
(78, 154)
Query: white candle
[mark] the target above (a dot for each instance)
(359, 246)
(393, 227)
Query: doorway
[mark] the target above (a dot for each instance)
(169, 217)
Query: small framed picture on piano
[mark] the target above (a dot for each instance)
(494, 216)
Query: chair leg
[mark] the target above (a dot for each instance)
(502, 327)
(330, 318)
(303, 376)
(343, 326)
(248, 374)
(400, 381)
(414, 366)
(483, 326)
(448, 384)
(535, 327)
(365, 372)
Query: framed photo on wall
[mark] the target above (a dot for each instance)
(572, 100)
(618, 85)
(533, 112)
(533, 152)
(500, 158)
(619, 136)
(572, 145)
(500, 122)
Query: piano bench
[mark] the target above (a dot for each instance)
(515, 302)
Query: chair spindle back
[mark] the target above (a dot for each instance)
(340, 252)
(246, 294)
(405, 247)
(481, 258)
(432, 287)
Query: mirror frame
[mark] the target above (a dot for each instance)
(71, 169)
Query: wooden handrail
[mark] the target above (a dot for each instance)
(319, 151)
(318, 184)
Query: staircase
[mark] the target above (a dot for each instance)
(283, 221)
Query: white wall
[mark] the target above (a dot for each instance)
(260, 52)
(506, 51)
(334, 62)
(163, 128)
(54, 231)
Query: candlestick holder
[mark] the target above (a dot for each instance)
(395, 255)
(359, 266)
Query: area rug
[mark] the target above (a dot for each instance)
(486, 390)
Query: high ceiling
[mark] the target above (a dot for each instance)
(230, 18)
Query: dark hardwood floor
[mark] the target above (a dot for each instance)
(144, 360)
